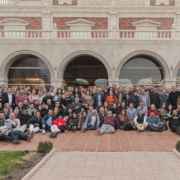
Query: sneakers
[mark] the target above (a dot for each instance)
(30, 137)
(16, 140)
(99, 131)
(52, 135)
(82, 129)
(43, 131)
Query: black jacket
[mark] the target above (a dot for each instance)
(60, 112)
(43, 111)
(6, 99)
(74, 121)
(35, 121)
(154, 99)
(24, 119)
(134, 99)
(66, 101)
(45, 98)
(124, 98)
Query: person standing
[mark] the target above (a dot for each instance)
(22, 97)
(99, 96)
(163, 98)
(154, 97)
(173, 97)
(9, 97)
(134, 99)
(145, 98)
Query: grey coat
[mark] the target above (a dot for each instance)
(29, 111)
(89, 119)
(148, 101)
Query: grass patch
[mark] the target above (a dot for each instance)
(9, 160)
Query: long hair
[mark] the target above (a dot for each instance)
(125, 116)
(162, 106)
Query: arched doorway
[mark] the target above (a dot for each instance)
(141, 70)
(85, 71)
(29, 70)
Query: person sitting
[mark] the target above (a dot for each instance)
(173, 123)
(98, 106)
(102, 113)
(6, 133)
(109, 125)
(47, 121)
(92, 122)
(140, 121)
(17, 113)
(73, 122)
(43, 109)
(32, 111)
(58, 110)
(91, 109)
(24, 119)
(82, 119)
(111, 99)
(153, 108)
(17, 129)
(76, 106)
(36, 105)
(114, 109)
(7, 108)
(25, 104)
(34, 123)
(47, 97)
(143, 108)
(20, 106)
(49, 104)
(154, 122)
(59, 125)
(131, 111)
(125, 122)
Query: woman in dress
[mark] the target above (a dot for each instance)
(58, 96)
(87, 98)
(162, 113)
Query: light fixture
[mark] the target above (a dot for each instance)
(55, 67)
(172, 67)
(75, 72)
(113, 67)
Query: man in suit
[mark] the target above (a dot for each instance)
(121, 96)
(9, 97)
(98, 97)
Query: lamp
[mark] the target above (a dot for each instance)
(75, 72)
(172, 67)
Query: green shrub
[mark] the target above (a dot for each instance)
(178, 146)
(44, 147)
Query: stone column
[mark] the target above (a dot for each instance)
(113, 81)
(46, 19)
(56, 83)
(4, 81)
(169, 82)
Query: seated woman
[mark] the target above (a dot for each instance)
(125, 122)
(7, 108)
(58, 110)
(1, 107)
(82, 119)
(59, 125)
(73, 122)
(34, 123)
(162, 113)
(153, 108)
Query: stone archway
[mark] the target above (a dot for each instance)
(76, 54)
(151, 54)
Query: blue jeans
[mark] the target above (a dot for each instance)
(82, 125)
(155, 128)
(119, 124)
(21, 135)
(74, 128)
(90, 127)
(47, 128)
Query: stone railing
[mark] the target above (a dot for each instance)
(25, 34)
(94, 34)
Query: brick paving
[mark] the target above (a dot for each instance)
(110, 166)
(89, 141)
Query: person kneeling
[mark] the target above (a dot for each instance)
(109, 125)
(140, 121)
(59, 125)
(92, 121)
(174, 122)
(154, 122)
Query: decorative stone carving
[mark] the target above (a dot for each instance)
(95, 2)
(161, 2)
(14, 23)
(80, 24)
(146, 24)
(131, 2)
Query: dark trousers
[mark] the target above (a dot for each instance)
(155, 128)
(62, 128)
(175, 129)
(128, 127)
(9, 137)
(90, 127)
(21, 135)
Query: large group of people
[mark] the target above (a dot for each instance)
(24, 112)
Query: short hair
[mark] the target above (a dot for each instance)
(31, 103)
(152, 111)
(2, 112)
(24, 109)
(43, 103)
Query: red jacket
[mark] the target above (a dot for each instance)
(58, 120)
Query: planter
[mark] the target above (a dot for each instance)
(176, 153)
(38, 166)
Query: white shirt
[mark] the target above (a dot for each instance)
(10, 98)
(93, 120)
(52, 93)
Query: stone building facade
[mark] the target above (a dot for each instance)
(89, 42)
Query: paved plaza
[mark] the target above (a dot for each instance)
(89, 141)
(110, 166)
